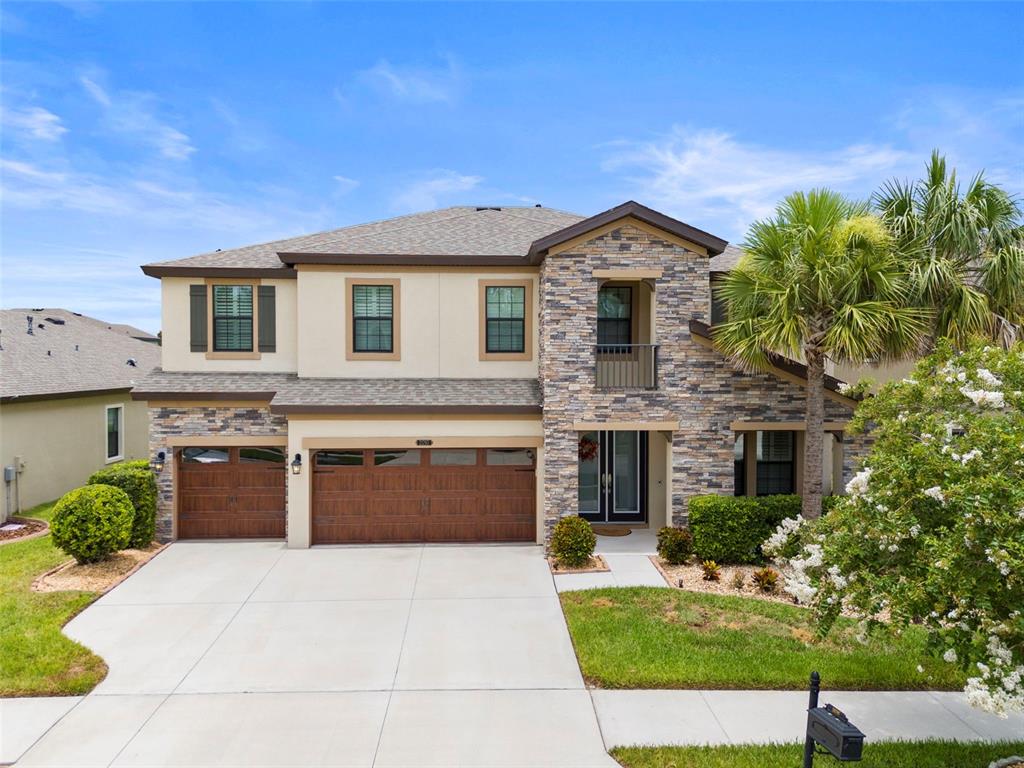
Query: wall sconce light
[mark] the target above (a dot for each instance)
(157, 465)
(297, 464)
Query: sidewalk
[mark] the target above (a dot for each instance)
(661, 718)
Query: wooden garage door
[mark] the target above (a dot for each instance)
(231, 493)
(438, 494)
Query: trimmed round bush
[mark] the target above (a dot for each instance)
(675, 545)
(92, 522)
(573, 542)
(137, 480)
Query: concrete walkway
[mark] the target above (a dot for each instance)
(658, 718)
(629, 563)
(24, 721)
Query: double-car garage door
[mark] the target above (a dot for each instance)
(362, 496)
(411, 495)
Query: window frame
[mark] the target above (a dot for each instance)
(793, 458)
(119, 407)
(396, 316)
(527, 353)
(211, 351)
(628, 320)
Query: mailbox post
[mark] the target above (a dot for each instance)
(830, 728)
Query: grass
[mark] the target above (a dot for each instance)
(649, 637)
(36, 658)
(892, 754)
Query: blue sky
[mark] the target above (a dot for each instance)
(137, 132)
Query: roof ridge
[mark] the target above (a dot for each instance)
(268, 243)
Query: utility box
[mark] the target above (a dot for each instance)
(831, 729)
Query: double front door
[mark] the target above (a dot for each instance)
(613, 476)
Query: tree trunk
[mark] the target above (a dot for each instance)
(814, 437)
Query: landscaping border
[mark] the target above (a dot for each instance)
(36, 535)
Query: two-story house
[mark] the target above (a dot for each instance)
(467, 374)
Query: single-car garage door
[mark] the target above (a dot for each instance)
(414, 495)
(231, 493)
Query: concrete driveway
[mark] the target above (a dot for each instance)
(246, 653)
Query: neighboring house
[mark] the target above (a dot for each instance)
(65, 410)
(467, 374)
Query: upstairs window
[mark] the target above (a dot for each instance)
(615, 315)
(506, 318)
(373, 312)
(232, 318)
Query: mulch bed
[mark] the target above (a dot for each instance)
(17, 528)
(95, 577)
(596, 565)
(691, 578)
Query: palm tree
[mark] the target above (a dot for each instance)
(965, 251)
(821, 280)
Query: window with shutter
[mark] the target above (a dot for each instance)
(232, 318)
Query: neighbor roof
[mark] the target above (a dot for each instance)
(290, 394)
(68, 354)
(727, 259)
(459, 235)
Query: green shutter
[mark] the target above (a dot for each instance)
(197, 311)
(268, 319)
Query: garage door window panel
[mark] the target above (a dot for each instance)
(399, 458)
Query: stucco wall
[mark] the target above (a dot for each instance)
(176, 349)
(439, 326)
(63, 441)
(375, 433)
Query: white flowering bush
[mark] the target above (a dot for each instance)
(932, 529)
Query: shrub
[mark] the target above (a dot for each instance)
(91, 522)
(712, 571)
(135, 479)
(730, 529)
(675, 545)
(738, 581)
(767, 580)
(573, 542)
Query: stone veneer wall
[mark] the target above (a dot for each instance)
(204, 421)
(696, 386)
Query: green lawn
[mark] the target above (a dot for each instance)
(36, 658)
(649, 637)
(893, 754)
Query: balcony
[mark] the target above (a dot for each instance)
(626, 366)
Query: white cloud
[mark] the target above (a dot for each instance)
(412, 84)
(345, 184)
(428, 191)
(167, 204)
(717, 182)
(34, 123)
(722, 182)
(135, 114)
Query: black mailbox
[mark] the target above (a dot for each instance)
(831, 729)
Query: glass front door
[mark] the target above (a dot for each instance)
(613, 476)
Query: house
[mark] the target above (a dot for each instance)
(65, 410)
(466, 374)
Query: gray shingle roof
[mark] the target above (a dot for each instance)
(79, 355)
(458, 231)
(289, 393)
(209, 386)
(727, 259)
(408, 394)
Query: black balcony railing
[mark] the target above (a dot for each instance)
(627, 366)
